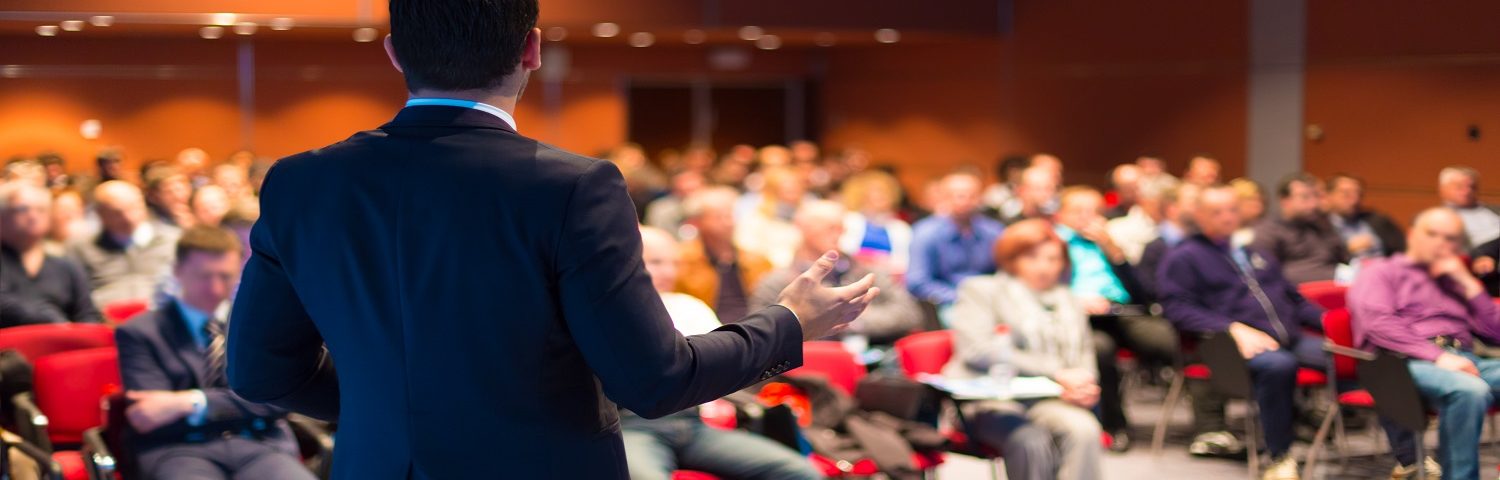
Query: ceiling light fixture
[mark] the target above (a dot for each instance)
(751, 33)
(282, 23)
(102, 20)
(71, 25)
(768, 42)
(245, 28)
(606, 30)
(221, 19)
(642, 39)
(46, 30)
(887, 35)
(365, 34)
(556, 34)
(211, 32)
(694, 36)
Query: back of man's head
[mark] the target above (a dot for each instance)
(459, 44)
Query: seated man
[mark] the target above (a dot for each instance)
(1425, 304)
(185, 422)
(1366, 232)
(655, 448)
(1105, 282)
(36, 287)
(891, 316)
(132, 254)
(1302, 239)
(713, 269)
(951, 246)
(1210, 287)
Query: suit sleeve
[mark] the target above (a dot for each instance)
(276, 354)
(620, 325)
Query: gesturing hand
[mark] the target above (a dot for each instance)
(820, 309)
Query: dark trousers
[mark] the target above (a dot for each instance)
(234, 458)
(1152, 339)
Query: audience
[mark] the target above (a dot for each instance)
(1366, 233)
(951, 246)
(1036, 194)
(67, 222)
(210, 203)
(1136, 227)
(1302, 240)
(713, 268)
(36, 287)
(1252, 209)
(168, 196)
(1126, 182)
(892, 315)
(1202, 170)
(1209, 286)
(1049, 332)
(873, 233)
(766, 227)
(1424, 304)
(666, 212)
(656, 448)
(1178, 202)
(1153, 169)
(1105, 283)
(1000, 199)
(184, 420)
(1458, 187)
(131, 254)
(1484, 265)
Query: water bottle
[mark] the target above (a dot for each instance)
(1002, 371)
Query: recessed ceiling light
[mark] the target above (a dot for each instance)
(825, 39)
(365, 34)
(244, 28)
(887, 35)
(211, 32)
(751, 33)
(102, 20)
(642, 39)
(221, 19)
(556, 34)
(46, 30)
(71, 25)
(606, 30)
(282, 23)
(768, 42)
(694, 36)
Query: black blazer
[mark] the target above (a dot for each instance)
(484, 298)
(158, 353)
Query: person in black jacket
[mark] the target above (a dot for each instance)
(1366, 232)
(36, 287)
(1106, 283)
(482, 293)
(1483, 264)
(185, 422)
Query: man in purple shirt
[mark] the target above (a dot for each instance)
(1426, 305)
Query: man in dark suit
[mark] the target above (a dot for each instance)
(185, 423)
(482, 293)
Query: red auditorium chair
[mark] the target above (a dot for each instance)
(121, 310)
(692, 475)
(929, 352)
(65, 402)
(36, 341)
(833, 362)
(1325, 293)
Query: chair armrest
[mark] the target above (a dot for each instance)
(1355, 353)
(97, 458)
(31, 423)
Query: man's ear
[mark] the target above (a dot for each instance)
(531, 52)
(390, 51)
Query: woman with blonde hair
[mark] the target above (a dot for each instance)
(873, 233)
(1252, 209)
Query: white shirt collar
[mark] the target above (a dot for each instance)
(453, 102)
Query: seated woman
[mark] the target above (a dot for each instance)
(1046, 439)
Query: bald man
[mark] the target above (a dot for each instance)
(891, 316)
(36, 287)
(1426, 305)
(1036, 195)
(654, 448)
(1126, 180)
(131, 255)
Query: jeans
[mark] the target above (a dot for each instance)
(1462, 400)
(655, 448)
(1274, 375)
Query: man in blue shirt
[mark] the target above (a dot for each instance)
(1106, 283)
(952, 244)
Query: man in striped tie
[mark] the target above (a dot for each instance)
(185, 422)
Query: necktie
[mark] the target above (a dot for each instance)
(213, 376)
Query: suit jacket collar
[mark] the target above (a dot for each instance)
(443, 116)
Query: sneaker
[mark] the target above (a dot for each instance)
(1405, 472)
(1119, 442)
(1216, 444)
(1283, 469)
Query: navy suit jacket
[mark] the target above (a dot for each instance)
(158, 353)
(484, 298)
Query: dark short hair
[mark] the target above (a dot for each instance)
(1335, 178)
(1011, 162)
(212, 240)
(1284, 189)
(459, 44)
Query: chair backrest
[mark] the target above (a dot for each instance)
(69, 387)
(926, 352)
(832, 361)
(122, 310)
(36, 341)
(1337, 330)
(1325, 293)
(1394, 390)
